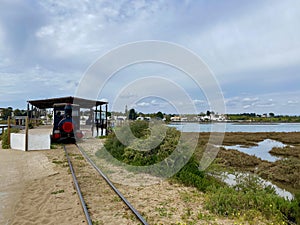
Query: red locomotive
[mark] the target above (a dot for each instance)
(66, 127)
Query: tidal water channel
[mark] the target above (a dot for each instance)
(238, 127)
(261, 150)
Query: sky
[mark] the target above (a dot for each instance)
(252, 48)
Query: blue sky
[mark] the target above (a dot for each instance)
(252, 47)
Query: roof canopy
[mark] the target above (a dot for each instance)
(48, 103)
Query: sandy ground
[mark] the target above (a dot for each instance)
(36, 188)
(33, 190)
(159, 201)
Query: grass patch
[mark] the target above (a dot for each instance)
(4, 137)
(53, 146)
(102, 137)
(79, 157)
(286, 151)
(57, 192)
(56, 161)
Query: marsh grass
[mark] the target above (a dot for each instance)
(286, 151)
(248, 200)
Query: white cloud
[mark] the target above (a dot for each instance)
(247, 99)
(84, 28)
(199, 101)
(245, 44)
(259, 39)
(128, 95)
(143, 104)
(271, 102)
(293, 102)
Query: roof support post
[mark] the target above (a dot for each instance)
(28, 109)
(26, 134)
(92, 120)
(101, 120)
(97, 121)
(106, 120)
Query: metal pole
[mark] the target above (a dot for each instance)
(106, 122)
(101, 120)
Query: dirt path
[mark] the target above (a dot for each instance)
(36, 188)
(33, 190)
(162, 202)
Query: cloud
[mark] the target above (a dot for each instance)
(128, 95)
(143, 104)
(199, 101)
(293, 102)
(256, 40)
(251, 100)
(89, 28)
(271, 102)
(252, 47)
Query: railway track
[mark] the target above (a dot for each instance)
(100, 199)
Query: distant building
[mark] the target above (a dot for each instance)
(120, 118)
(212, 117)
(175, 118)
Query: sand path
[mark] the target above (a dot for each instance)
(33, 190)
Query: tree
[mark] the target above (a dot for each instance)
(6, 113)
(208, 113)
(160, 115)
(271, 114)
(132, 114)
(18, 112)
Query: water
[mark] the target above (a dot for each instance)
(261, 150)
(231, 180)
(235, 127)
(1, 128)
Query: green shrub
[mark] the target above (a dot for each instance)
(139, 152)
(250, 196)
(190, 175)
(4, 137)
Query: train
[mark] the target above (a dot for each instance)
(66, 124)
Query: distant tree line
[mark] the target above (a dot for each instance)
(6, 112)
(270, 117)
(247, 117)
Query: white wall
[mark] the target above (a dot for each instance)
(17, 141)
(35, 141)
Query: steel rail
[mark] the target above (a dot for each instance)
(135, 212)
(86, 213)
